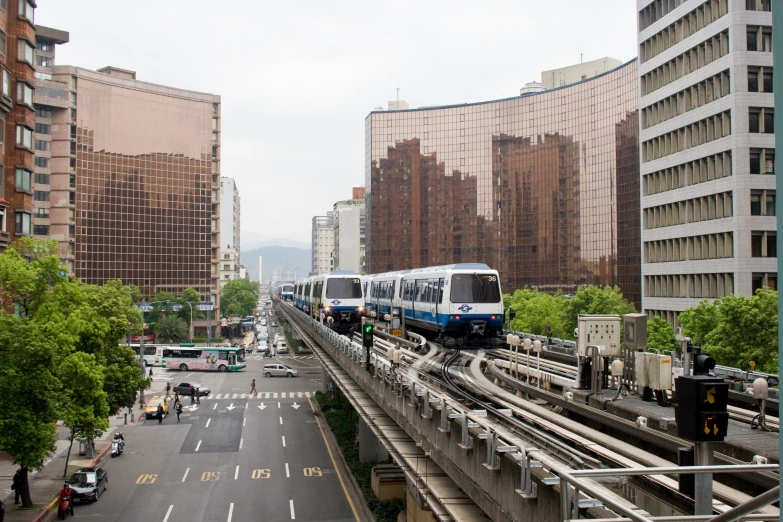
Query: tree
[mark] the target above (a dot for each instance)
(242, 293)
(700, 320)
(84, 404)
(594, 300)
(660, 336)
(746, 330)
(171, 328)
(535, 311)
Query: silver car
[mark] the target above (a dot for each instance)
(280, 370)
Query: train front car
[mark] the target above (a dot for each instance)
(287, 292)
(340, 299)
(462, 303)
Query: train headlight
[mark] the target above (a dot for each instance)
(361, 309)
(326, 308)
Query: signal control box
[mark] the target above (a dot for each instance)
(702, 408)
(600, 330)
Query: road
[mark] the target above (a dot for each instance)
(231, 458)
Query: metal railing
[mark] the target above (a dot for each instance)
(572, 483)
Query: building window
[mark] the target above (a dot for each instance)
(72, 181)
(41, 162)
(762, 161)
(759, 38)
(71, 230)
(3, 7)
(762, 203)
(45, 47)
(43, 128)
(42, 213)
(6, 83)
(761, 120)
(41, 230)
(758, 5)
(24, 93)
(41, 145)
(43, 112)
(43, 61)
(72, 198)
(2, 42)
(763, 244)
(27, 10)
(25, 51)
(42, 179)
(22, 223)
(41, 195)
(23, 179)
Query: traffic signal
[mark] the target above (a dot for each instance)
(702, 408)
(367, 335)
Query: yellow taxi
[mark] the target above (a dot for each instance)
(152, 407)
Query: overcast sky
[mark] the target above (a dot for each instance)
(297, 79)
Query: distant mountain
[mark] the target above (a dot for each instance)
(297, 259)
(250, 240)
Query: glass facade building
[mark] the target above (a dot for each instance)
(146, 182)
(543, 187)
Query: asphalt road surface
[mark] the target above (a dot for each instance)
(234, 458)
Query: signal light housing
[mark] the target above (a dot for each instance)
(367, 335)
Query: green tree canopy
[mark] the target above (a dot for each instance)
(171, 328)
(239, 297)
(594, 300)
(660, 336)
(700, 320)
(537, 310)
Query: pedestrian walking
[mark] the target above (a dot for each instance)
(150, 373)
(198, 400)
(16, 485)
(168, 390)
(192, 395)
(176, 397)
(253, 388)
(178, 409)
(160, 413)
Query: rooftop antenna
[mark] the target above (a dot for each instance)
(581, 55)
(398, 95)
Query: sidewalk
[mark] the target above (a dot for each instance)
(46, 483)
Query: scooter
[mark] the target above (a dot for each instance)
(117, 448)
(64, 508)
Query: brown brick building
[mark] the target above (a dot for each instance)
(17, 59)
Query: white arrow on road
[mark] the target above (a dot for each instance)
(295, 406)
(262, 406)
(193, 408)
(230, 407)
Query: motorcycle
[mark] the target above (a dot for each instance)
(117, 447)
(64, 508)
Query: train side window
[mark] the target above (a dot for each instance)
(427, 291)
(391, 289)
(440, 292)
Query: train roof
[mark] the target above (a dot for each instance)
(456, 266)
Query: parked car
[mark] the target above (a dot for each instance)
(88, 484)
(279, 370)
(152, 407)
(185, 388)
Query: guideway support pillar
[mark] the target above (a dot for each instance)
(370, 448)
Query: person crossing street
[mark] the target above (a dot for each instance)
(253, 388)
(178, 409)
(168, 390)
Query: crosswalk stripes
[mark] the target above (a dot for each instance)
(260, 395)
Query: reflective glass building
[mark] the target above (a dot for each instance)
(543, 187)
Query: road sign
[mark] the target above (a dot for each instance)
(205, 306)
(144, 307)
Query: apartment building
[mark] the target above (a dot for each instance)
(706, 130)
(323, 244)
(229, 230)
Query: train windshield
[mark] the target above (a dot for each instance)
(288, 288)
(344, 288)
(475, 288)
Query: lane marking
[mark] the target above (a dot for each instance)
(281, 420)
(235, 396)
(165, 519)
(214, 407)
(240, 443)
(236, 473)
(287, 475)
(267, 395)
(284, 441)
(244, 419)
(198, 445)
(217, 396)
(188, 375)
(334, 463)
(283, 396)
(208, 421)
(186, 474)
(291, 503)
(278, 404)
(275, 395)
(230, 511)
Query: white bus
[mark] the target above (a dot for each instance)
(215, 358)
(153, 353)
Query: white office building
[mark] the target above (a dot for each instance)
(323, 243)
(349, 235)
(229, 231)
(707, 151)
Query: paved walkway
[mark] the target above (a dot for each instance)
(45, 484)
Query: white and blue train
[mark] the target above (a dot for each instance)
(460, 302)
(337, 295)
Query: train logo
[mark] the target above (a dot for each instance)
(465, 308)
(336, 302)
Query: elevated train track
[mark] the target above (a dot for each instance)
(442, 376)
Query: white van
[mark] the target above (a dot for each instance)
(281, 347)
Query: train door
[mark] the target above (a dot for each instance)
(438, 298)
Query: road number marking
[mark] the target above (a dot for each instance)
(260, 474)
(313, 472)
(210, 476)
(147, 479)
